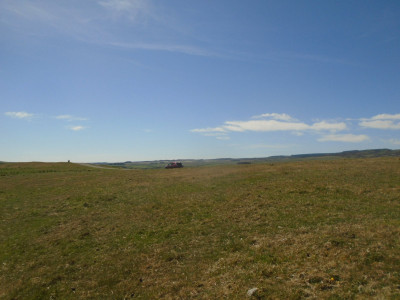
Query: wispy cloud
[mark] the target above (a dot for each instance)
(172, 47)
(96, 23)
(386, 117)
(76, 128)
(47, 18)
(380, 124)
(382, 121)
(275, 116)
(276, 122)
(19, 114)
(70, 118)
(27, 10)
(223, 137)
(132, 9)
(124, 5)
(329, 126)
(347, 138)
(209, 130)
(394, 141)
(264, 125)
(327, 130)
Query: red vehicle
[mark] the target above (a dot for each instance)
(174, 165)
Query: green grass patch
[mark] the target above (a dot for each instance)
(306, 229)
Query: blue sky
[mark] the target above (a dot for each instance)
(117, 80)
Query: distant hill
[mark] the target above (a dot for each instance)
(345, 154)
(157, 164)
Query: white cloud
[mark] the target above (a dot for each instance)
(64, 117)
(76, 128)
(298, 133)
(223, 137)
(382, 121)
(70, 118)
(347, 138)
(386, 117)
(264, 125)
(329, 126)
(380, 124)
(276, 116)
(19, 114)
(219, 135)
(272, 125)
(207, 130)
(275, 122)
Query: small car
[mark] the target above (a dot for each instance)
(174, 165)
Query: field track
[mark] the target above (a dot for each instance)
(97, 166)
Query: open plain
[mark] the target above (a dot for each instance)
(308, 229)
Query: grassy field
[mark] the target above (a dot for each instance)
(311, 229)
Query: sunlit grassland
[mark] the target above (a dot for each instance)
(323, 229)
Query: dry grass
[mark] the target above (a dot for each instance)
(311, 229)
